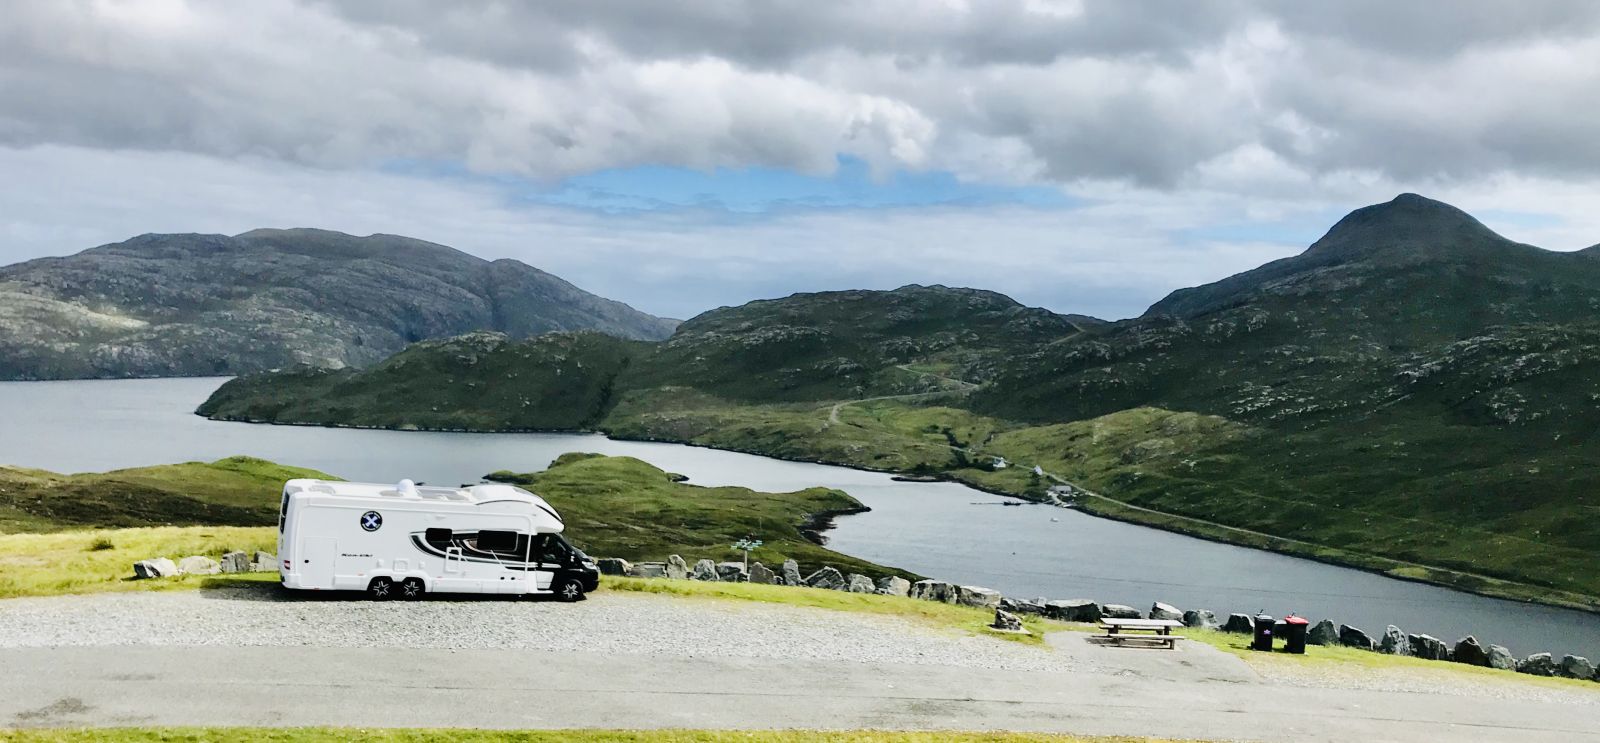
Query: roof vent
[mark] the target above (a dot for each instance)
(407, 488)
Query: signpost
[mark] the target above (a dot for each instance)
(746, 545)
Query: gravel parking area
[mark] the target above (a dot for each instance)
(636, 624)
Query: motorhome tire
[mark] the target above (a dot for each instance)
(569, 589)
(380, 589)
(412, 589)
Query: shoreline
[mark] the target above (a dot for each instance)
(1486, 586)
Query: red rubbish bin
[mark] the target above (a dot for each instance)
(1294, 635)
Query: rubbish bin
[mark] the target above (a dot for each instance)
(1263, 639)
(1294, 634)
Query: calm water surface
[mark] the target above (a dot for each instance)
(939, 529)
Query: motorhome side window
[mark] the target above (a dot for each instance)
(549, 548)
(283, 513)
(491, 540)
(439, 537)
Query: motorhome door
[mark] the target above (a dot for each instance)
(317, 555)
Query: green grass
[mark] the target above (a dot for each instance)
(422, 735)
(73, 561)
(935, 613)
(624, 507)
(237, 491)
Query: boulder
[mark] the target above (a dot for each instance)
(858, 583)
(159, 567)
(732, 572)
(613, 566)
(791, 574)
(235, 562)
(1394, 642)
(762, 574)
(1538, 664)
(677, 568)
(648, 570)
(264, 562)
(1577, 667)
(1240, 623)
(704, 570)
(1072, 610)
(198, 565)
(827, 577)
(935, 590)
(1355, 638)
(1468, 651)
(1005, 621)
(1429, 647)
(983, 598)
(1022, 606)
(1501, 658)
(1323, 633)
(1118, 611)
(1159, 610)
(894, 585)
(1200, 619)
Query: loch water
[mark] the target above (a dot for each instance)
(943, 530)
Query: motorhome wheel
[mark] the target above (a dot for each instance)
(380, 589)
(569, 590)
(412, 589)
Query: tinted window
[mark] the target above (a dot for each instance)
(550, 548)
(438, 537)
(283, 512)
(497, 541)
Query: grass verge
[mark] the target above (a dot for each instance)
(962, 618)
(99, 560)
(420, 735)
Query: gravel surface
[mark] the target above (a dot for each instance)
(1428, 681)
(639, 624)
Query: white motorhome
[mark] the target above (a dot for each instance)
(406, 540)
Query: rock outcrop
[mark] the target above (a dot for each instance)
(235, 562)
(983, 598)
(1429, 647)
(858, 583)
(935, 590)
(1159, 610)
(1394, 642)
(265, 562)
(762, 574)
(1240, 623)
(1200, 619)
(894, 585)
(198, 565)
(1577, 667)
(158, 567)
(1468, 651)
(1355, 638)
(826, 577)
(1538, 664)
(1323, 633)
(705, 570)
(1073, 610)
(1500, 657)
(731, 572)
(791, 574)
(677, 568)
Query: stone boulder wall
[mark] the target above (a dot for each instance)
(198, 565)
(648, 570)
(1159, 610)
(1354, 638)
(159, 567)
(1022, 606)
(1323, 633)
(235, 562)
(858, 583)
(614, 566)
(894, 585)
(762, 574)
(1500, 657)
(704, 570)
(731, 572)
(983, 598)
(827, 577)
(1200, 619)
(1073, 610)
(1429, 647)
(935, 590)
(677, 568)
(1240, 623)
(1394, 642)
(1577, 667)
(791, 574)
(1119, 611)
(1468, 651)
(1538, 664)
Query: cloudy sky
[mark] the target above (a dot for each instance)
(1083, 156)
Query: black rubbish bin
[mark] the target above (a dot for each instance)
(1294, 634)
(1263, 640)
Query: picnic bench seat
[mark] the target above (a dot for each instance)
(1157, 631)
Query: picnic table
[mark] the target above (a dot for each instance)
(1158, 631)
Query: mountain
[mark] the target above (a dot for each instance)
(824, 346)
(185, 305)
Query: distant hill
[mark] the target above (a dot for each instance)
(827, 346)
(186, 305)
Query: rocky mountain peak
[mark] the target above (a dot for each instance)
(1407, 222)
